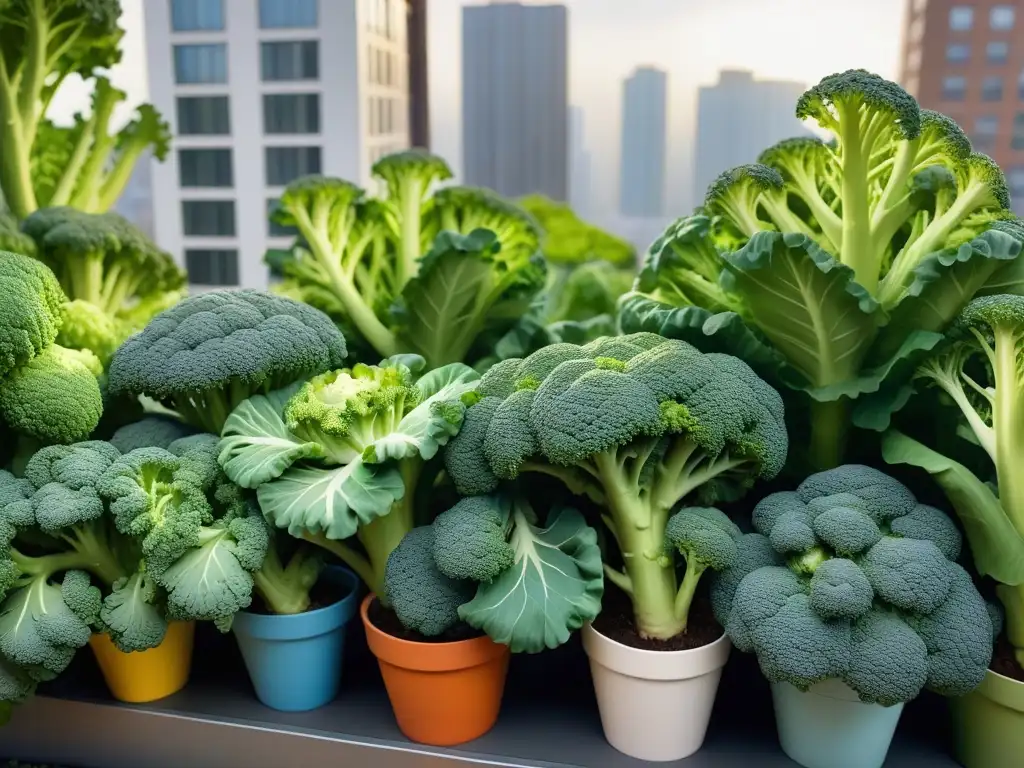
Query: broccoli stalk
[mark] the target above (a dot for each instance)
(637, 423)
(283, 588)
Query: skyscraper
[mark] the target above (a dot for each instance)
(419, 97)
(259, 93)
(515, 84)
(965, 60)
(579, 164)
(644, 121)
(737, 119)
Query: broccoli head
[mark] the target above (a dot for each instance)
(207, 354)
(871, 596)
(487, 562)
(638, 423)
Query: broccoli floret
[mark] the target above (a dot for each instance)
(753, 551)
(149, 432)
(889, 619)
(525, 586)
(735, 196)
(637, 422)
(423, 598)
(207, 354)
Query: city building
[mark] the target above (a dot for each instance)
(136, 202)
(580, 179)
(259, 93)
(515, 124)
(644, 125)
(737, 119)
(419, 96)
(966, 60)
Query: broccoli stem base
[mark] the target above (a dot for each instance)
(1012, 599)
(381, 537)
(828, 428)
(652, 581)
(284, 589)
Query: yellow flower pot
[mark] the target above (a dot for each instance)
(148, 675)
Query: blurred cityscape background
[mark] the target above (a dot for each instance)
(625, 110)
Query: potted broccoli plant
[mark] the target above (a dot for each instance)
(484, 580)
(334, 458)
(639, 424)
(850, 595)
(979, 370)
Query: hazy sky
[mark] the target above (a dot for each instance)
(800, 40)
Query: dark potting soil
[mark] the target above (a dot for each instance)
(1004, 662)
(616, 623)
(386, 621)
(320, 596)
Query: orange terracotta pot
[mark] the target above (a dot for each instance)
(442, 694)
(147, 675)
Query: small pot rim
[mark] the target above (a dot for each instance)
(644, 652)
(364, 613)
(643, 664)
(275, 626)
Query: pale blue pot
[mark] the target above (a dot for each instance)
(828, 726)
(294, 662)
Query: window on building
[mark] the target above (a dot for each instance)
(1017, 140)
(288, 14)
(961, 18)
(954, 88)
(203, 116)
(291, 113)
(207, 63)
(958, 53)
(290, 60)
(285, 164)
(208, 218)
(992, 88)
(273, 228)
(1015, 179)
(1001, 17)
(1020, 85)
(212, 266)
(197, 15)
(205, 168)
(997, 52)
(983, 137)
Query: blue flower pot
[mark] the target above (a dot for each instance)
(828, 726)
(294, 662)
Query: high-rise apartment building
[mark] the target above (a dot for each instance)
(966, 60)
(259, 93)
(580, 197)
(737, 119)
(515, 83)
(419, 95)
(644, 125)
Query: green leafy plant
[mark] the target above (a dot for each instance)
(414, 271)
(850, 578)
(980, 370)
(42, 44)
(341, 455)
(639, 424)
(487, 562)
(833, 267)
(98, 541)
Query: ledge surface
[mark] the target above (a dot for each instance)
(549, 719)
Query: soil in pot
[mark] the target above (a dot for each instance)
(1004, 662)
(615, 621)
(444, 690)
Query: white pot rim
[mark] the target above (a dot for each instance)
(655, 665)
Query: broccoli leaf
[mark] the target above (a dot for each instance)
(997, 547)
(336, 501)
(134, 622)
(554, 586)
(256, 446)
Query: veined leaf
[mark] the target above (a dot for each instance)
(335, 501)
(997, 546)
(553, 588)
(256, 446)
(135, 623)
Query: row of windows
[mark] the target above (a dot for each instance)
(380, 17)
(283, 113)
(1000, 17)
(996, 52)
(279, 61)
(216, 218)
(954, 88)
(214, 167)
(385, 116)
(212, 266)
(208, 15)
(382, 67)
(986, 130)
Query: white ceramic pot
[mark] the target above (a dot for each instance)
(655, 705)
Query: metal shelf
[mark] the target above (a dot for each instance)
(549, 720)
